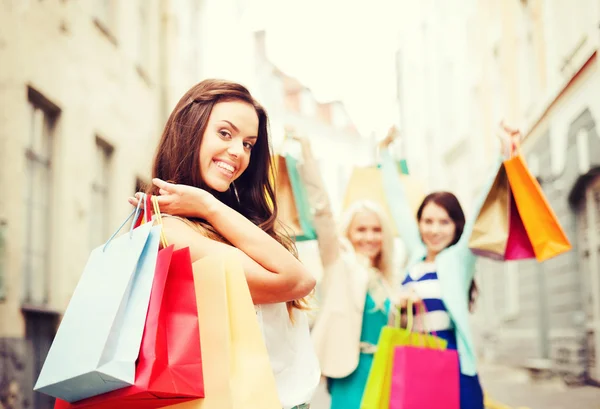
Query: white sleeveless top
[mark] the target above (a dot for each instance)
(293, 359)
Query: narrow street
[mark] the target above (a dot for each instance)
(508, 388)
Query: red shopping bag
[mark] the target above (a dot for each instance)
(518, 245)
(425, 378)
(169, 367)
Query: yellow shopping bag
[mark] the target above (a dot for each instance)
(366, 183)
(378, 388)
(543, 228)
(236, 366)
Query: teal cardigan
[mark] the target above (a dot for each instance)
(455, 265)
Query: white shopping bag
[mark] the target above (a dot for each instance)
(99, 338)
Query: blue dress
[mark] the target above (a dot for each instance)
(423, 279)
(346, 393)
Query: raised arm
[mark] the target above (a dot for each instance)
(399, 204)
(327, 232)
(273, 273)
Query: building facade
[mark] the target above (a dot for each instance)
(85, 88)
(534, 64)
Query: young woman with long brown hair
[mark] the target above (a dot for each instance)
(212, 171)
(441, 267)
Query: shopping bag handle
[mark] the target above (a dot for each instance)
(135, 214)
(163, 238)
(410, 321)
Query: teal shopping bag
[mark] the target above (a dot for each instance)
(301, 200)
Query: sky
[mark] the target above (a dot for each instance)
(340, 49)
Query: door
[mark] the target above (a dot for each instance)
(589, 253)
(40, 328)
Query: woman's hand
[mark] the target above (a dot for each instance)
(510, 138)
(392, 134)
(406, 297)
(181, 200)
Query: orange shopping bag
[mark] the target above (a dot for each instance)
(236, 366)
(543, 228)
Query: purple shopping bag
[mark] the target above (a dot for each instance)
(424, 378)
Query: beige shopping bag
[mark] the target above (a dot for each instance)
(491, 229)
(237, 370)
(366, 183)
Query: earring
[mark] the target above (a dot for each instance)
(235, 192)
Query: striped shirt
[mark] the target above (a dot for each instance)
(423, 280)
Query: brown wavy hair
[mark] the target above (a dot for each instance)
(177, 160)
(449, 202)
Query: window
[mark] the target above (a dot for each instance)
(527, 65)
(100, 213)
(143, 46)
(38, 198)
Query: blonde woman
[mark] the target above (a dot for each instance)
(355, 289)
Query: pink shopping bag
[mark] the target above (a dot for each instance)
(424, 378)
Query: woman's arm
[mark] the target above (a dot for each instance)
(398, 203)
(274, 274)
(325, 226)
(266, 286)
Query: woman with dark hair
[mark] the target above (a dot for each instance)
(441, 267)
(212, 173)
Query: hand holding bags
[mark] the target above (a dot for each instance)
(98, 340)
(543, 228)
(169, 369)
(516, 222)
(379, 384)
(237, 370)
(499, 233)
(419, 368)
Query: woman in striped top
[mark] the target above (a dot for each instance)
(441, 266)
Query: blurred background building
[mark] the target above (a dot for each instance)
(533, 63)
(86, 86)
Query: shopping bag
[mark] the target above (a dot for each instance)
(292, 199)
(498, 232)
(98, 341)
(543, 228)
(425, 378)
(169, 368)
(490, 231)
(378, 387)
(237, 370)
(366, 183)
(518, 246)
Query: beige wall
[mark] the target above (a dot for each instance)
(102, 89)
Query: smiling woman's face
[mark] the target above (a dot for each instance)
(227, 143)
(436, 227)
